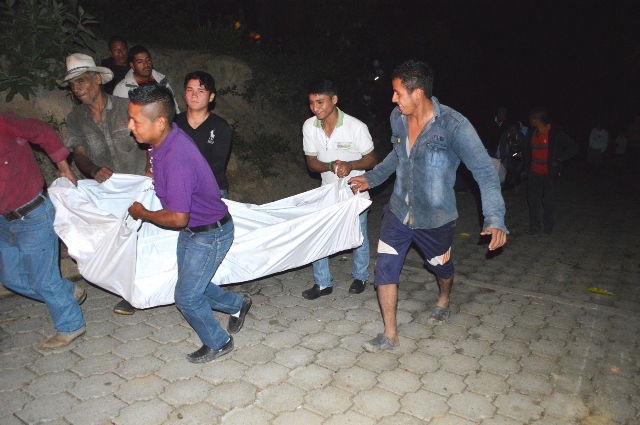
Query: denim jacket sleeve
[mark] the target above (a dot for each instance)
(470, 150)
(383, 170)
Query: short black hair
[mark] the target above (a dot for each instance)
(541, 114)
(415, 75)
(205, 79)
(115, 38)
(136, 50)
(158, 95)
(322, 86)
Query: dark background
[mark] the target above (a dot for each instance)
(581, 59)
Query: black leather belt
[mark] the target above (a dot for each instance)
(25, 209)
(198, 229)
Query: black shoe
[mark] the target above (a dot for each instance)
(235, 323)
(206, 354)
(357, 287)
(316, 292)
(123, 307)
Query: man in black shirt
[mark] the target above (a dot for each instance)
(116, 62)
(211, 133)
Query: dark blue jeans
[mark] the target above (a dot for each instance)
(199, 255)
(542, 202)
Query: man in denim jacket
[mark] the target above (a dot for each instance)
(429, 141)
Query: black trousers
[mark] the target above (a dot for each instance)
(541, 193)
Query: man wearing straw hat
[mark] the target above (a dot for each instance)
(97, 129)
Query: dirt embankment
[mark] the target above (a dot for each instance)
(245, 182)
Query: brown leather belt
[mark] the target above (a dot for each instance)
(198, 229)
(25, 209)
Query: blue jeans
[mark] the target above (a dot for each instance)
(199, 255)
(29, 256)
(321, 273)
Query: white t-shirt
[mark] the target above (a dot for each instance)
(349, 141)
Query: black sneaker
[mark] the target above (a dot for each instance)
(206, 354)
(316, 292)
(235, 323)
(358, 286)
(123, 307)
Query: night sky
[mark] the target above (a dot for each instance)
(581, 59)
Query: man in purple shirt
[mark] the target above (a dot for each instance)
(191, 201)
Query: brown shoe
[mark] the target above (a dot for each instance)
(80, 295)
(62, 340)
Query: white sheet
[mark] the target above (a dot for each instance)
(138, 260)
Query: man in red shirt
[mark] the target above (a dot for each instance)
(29, 248)
(546, 147)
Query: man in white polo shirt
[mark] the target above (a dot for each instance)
(336, 145)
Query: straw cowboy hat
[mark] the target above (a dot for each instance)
(78, 64)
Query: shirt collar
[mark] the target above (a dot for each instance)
(318, 123)
(162, 150)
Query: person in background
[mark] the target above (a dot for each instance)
(116, 62)
(211, 133)
(598, 142)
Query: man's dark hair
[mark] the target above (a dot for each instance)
(322, 86)
(415, 75)
(115, 38)
(136, 50)
(541, 114)
(205, 79)
(157, 95)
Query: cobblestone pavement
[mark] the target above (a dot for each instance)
(526, 344)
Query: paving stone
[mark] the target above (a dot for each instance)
(506, 309)
(471, 406)
(295, 357)
(281, 340)
(451, 333)
(548, 348)
(415, 330)
(197, 414)
(355, 379)
(96, 365)
(247, 415)
(520, 333)
(530, 384)
(399, 381)
(400, 419)
(180, 393)
(12, 401)
(419, 363)
(170, 335)
(54, 362)
(144, 388)
(486, 384)
(232, 395)
(95, 347)
(10, 420)
(144, 413)
(52, 383)
(310, 377)
(136, 348)
(539, 364)
(499, 321)
(473, 348)
(225, 370)
(280, 398)
(259, 353)
(586, 349)
(362, 315)
(130, 333)
(95, 411)
(96, 386)
(510, 347)
(47, 408)
(336, 359)
(499, 364)
(475, 309)
(580, 365)
(15, 379)
(297, 417)
(486, 333)
(443, 383)
(179, 369)
(327, 401)
(608, 382)
(350, 417)
(376, 403)
(138, 366)
(424, 405)
(377, 362)
(555, 334)
(449, 419)
(263, 375)
(306, 327)
(328, 314)
(568, 407)
(459, 364)
(519, 407)
(437, 347)
(177, 351)
(19, 358)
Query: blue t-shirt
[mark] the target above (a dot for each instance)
(184, 181)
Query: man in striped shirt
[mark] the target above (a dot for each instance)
(546, 147)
